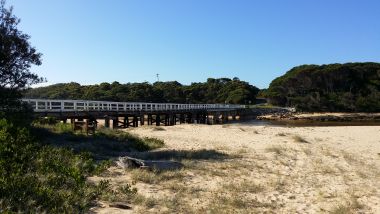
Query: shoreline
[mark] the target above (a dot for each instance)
(322, 117)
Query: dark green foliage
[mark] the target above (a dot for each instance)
(351, 87)
(16, 54)
(16, 57)
(36, 178)
(12, 109)
(213, 91)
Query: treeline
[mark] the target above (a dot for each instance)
(350, 87)
(223, 90)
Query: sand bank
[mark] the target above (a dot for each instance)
(256, 169)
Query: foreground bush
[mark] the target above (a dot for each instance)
(36, 178)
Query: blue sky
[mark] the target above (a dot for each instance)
(90, 41)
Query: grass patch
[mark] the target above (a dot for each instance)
(307, 151)
(140, 144)
(235, 203)
(104, 144)
(158, 128)
(300, 139)
(281, 134)
(123, 192)
(155, 177)
(244, 186)
(342, 209)
(278, 150)
(351, 207)
(350, 158)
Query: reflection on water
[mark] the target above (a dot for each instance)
(298, 123)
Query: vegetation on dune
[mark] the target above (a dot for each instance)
(350, 87)
(45, 169)
(213, 91)
(105, 143)
(38, 178)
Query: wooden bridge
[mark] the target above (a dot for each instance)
(133, 114)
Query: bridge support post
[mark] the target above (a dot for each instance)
(150, 122)
(191, 118)
(115, 123)
(107, 122)
(126, 122)
(135, 121)
(203, 118)
(158, 120)
(166, 120)
(223, 118)
(173, 119)
(142, 119)
(181, 118)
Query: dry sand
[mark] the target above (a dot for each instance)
(259, 169)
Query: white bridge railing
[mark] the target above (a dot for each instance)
(47, 105)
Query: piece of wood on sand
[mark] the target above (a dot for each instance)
(129, 162)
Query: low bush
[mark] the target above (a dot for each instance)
(40, 178)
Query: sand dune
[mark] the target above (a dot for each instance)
(258, 169)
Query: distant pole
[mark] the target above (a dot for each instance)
(158, 77)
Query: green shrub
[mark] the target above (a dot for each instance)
(37, 178)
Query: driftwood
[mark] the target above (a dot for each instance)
(120, 205)
(128, 162)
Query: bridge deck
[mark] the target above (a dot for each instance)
(48, 105)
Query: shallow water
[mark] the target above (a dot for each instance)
(299, 123)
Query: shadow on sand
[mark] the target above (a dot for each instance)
(103, 147)
(179, 155)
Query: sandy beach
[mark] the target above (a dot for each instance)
(238, 168)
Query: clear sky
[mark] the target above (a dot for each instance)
(89, 41)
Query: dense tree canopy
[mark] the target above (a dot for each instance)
(335, 87)
(223, 90)
(16, 58)
(16, 54)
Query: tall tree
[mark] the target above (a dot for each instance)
(16, 53)
(16, 58)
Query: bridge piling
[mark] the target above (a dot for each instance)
(158, 120)
(107, 122)
(142, 119)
